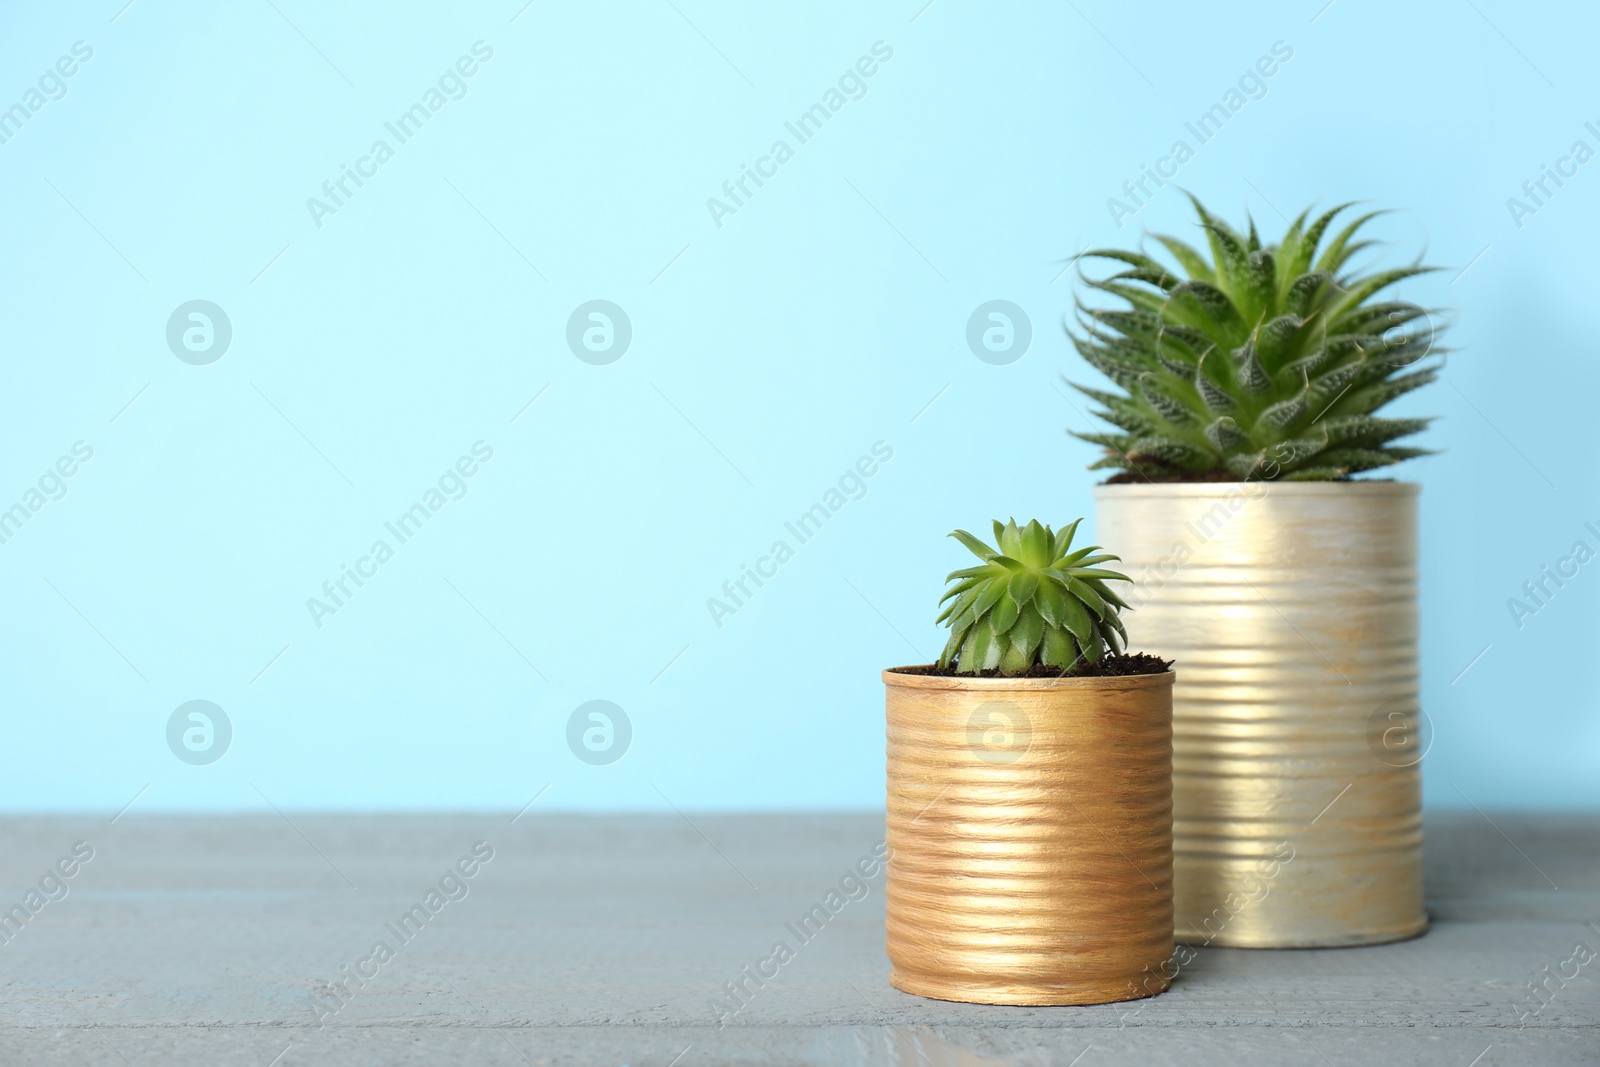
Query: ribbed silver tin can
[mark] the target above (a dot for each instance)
(1291, 610)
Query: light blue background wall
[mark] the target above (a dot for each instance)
(768, 355)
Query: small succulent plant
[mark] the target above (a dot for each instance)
(1265, 362)
(1034, 600)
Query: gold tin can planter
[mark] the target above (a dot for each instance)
(1030, 838)
(1291, 609)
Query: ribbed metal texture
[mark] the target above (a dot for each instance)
(1030, 837)
(1291, 610)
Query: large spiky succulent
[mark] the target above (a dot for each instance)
(1264, 362)
(1033, 600)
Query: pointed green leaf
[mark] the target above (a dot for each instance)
(1306, 249)
(1228, 252)
(987, 647)
(1191, 260)
(1100, 574)
(1168, 450)
(1078, 621)
(1247, 369)
(1114, 638)
(1334, 256)
(1356, 460)
(1306, 293)
(1143, 299)
(989, 596)
(959, 588)
(1035, 544)
(1133, 259)
(1058, 650)
(1216, 398)
(1289, 250)
(1280, 338)
(1279, 417)
(962, 604)
(1011, 539)
(1159, 277)
(1099, 586)
(1063, 539)
(1204, 307)
(1257, 292)
(1021, 587)
(1005, 613)
(1090, 598)
(1244, 465)
(969, 651)
(1226, 435)
(1051, 600)
(1366, 431)
(1352, 297)
(1026, 634)
(959, 632)
(975, 546)
(1172, 411)
(1374, 397)
(1013, 660)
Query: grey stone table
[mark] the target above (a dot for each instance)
(610, 940)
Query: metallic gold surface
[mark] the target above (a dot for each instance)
(1030, 838)
(1291, 610)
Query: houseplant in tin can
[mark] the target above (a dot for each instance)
(1029, 789)
(1247, 387)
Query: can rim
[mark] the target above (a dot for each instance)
(1108, 683)
(1258, 488)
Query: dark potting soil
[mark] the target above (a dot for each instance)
(1136, 478)
(1219, 475)
(1112, 666)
